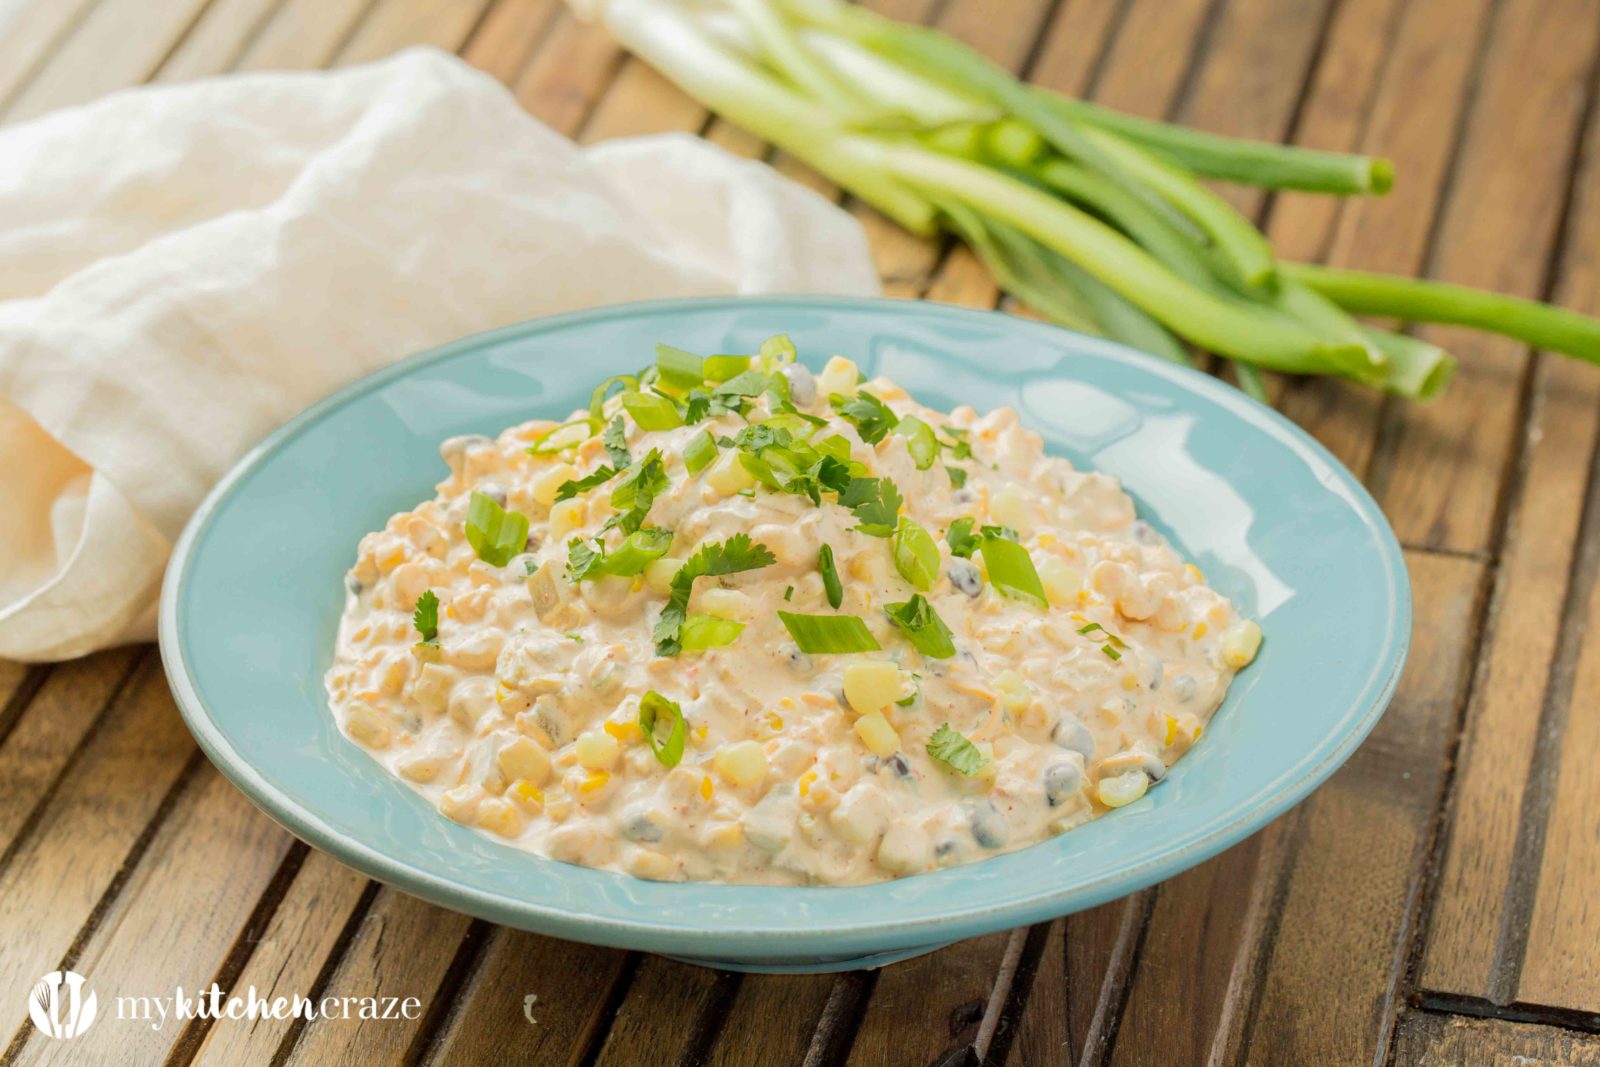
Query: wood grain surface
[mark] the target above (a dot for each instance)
(1437, 902)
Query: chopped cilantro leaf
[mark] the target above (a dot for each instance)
(616, 441)
(572, 488)
(958, 476)
(870, 416)
(425, 617)
(637, 490)
(738, 553)
(962, 541)
(876, 503)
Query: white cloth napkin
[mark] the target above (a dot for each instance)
(184, 268)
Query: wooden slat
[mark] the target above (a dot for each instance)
(49, 730)
(303, 34)
(778, 1014)
(88, 829)
(571, 984)
(508, 36)
(641, 101)
(569, 74)
(1558, 969)
(1464, 951)
(120, 43)
(284, 959)
(396, 952)
(670, 1010)
(217, 40)
(1154, 44)
(1422, 92)
(1445, 476)
(1427, 1039)
(926, 1009)
(1215, 959)
(177, 917)
(28, 33)
(397, 24)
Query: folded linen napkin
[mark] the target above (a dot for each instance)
(184, 268)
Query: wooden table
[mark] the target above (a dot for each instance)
(1437, 902)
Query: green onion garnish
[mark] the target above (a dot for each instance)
(1113, 642)
(922, 627)
(651, 411)
(956, 752)
(962, 541)
(958, 476)
(779, 349)
(829, 634)
(653, 706)
(494, 533)
(721, 368)
(556, 439)
(425, 617)
(916, 555)
(699, 452)
(679, 369)
(830, 577)
(636, 491)
(1011, 571)
(920, 442)
(701, 632)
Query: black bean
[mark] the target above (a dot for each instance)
(802, 386)
(898, 764)
(493, 492)
(988, 827)
(452, 448)
(642, 828)
(1074, 736)
(1146, 534)
(1061, 782)
(946, 847)
(965, 577)
(353, 585)
(796, 660)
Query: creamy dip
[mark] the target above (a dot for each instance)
(1042, 655)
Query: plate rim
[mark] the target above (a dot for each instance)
(776, 943)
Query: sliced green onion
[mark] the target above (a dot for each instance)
(494, 533)
(829, 634)
(958, 476)
(916, 555)
(779, 349)
(679, 369)
(699, 452)
(830, 577)
(721, 368)
(835, 445)
(1011, 571)
(651, 411)
(922, 627)
(956, 752)
(962, 541)
(637, 551)
(555, 440)
(920, 442)
(653, 706)
(597, 399)
(701, 632)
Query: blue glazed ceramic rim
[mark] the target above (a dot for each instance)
(782, 946)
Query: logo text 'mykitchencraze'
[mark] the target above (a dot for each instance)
(215, 1003)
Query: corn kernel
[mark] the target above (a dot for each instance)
(806, 781)
(1062, 582)
(597, 751)
(1195, 572)
(523, 758)
(725, 604)
(1123, 789)
(1007, 508)
(366, 725)
(528, 795)
(1240, 643)
(1014, 691)
(706, 788)
(659, 574)
(567, 516)
(653, 866)
(558, 809)
(727, 835)
(871, 685)
(741, 763)
(500, 817)
(392, 560)
(461, 803)
(876, 733)
(1200, 630)
(592, 783)
(549, 483)
(839, 375)
(625, 732)
(727, 475)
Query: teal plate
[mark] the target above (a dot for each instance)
(254, 592)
